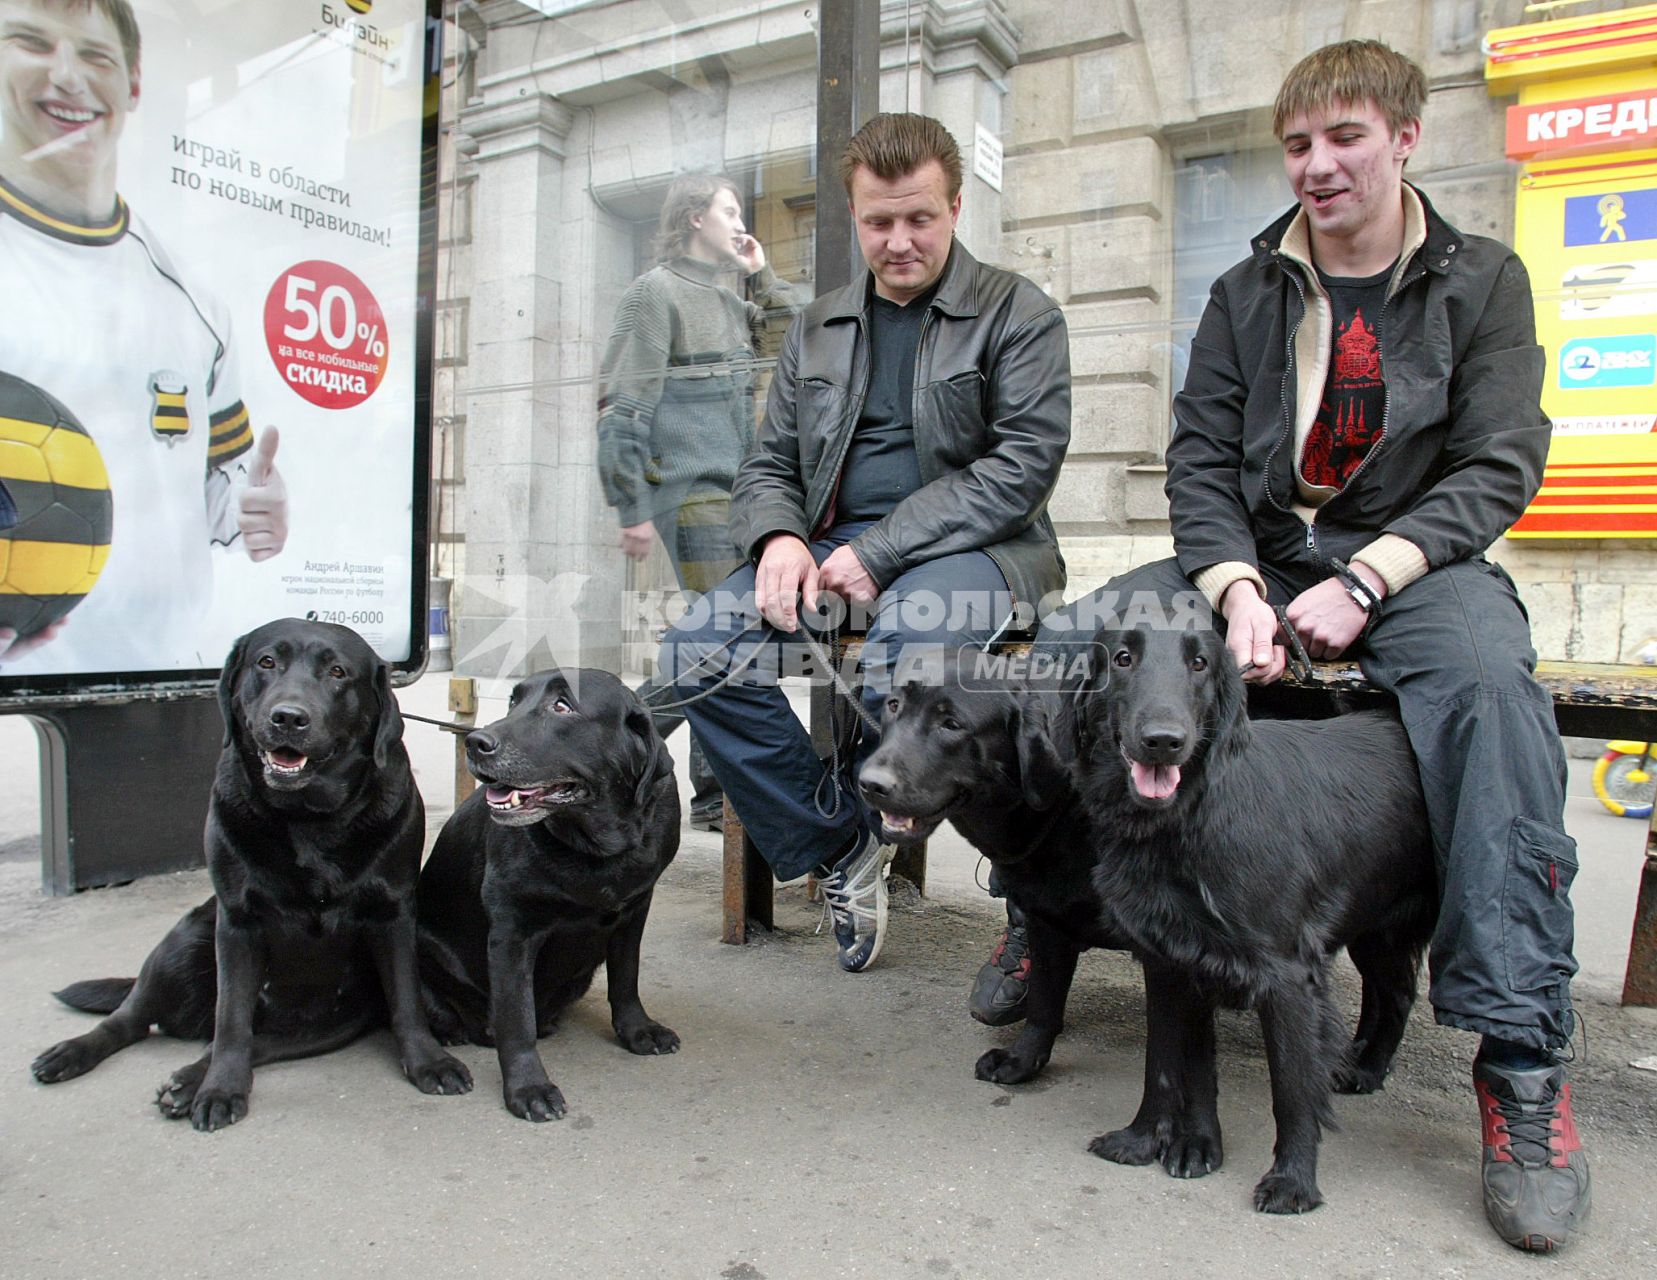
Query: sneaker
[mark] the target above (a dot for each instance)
(999, 991)
(1535, 1172)
(708, 817)
(854, 897)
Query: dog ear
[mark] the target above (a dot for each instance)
(227, 687)
(389, 731)
(1096, 680)
(652, 755)
(1041, 772)
(1232, 693)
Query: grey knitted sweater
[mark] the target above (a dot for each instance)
(676, 385)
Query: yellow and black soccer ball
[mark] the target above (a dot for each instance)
(56, 512)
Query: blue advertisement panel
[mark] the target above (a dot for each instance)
(216, 237)
(1612, 217)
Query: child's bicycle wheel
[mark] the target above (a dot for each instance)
(1623, 786)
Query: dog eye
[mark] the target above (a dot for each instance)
(337, 671)
(562, 707)
(1199, 663)
(1122, 658)
(267, 662)
(952, 725)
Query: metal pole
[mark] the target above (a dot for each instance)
(848, 93)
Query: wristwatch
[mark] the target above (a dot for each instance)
(1363, 595)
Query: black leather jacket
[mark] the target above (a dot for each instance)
(1463, 438)
(992, 422)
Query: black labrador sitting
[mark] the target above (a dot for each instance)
(1237, 857)
(314, 833)
(547, 872)
(973, 748)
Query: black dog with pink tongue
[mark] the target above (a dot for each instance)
(1237, 857)
(546, 872)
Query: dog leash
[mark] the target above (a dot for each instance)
(448, 726)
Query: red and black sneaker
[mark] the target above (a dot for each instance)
(999, 991)
(1535, 1172)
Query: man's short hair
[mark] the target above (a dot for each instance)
(894, 144)
(1352, 72)
(690, 194)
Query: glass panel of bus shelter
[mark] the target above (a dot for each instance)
(627, 356)
(1118, 160)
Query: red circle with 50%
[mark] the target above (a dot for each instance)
(326, 334)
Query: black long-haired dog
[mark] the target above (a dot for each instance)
(1238, 857)
(313, 839)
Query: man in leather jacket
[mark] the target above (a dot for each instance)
(913, 434)
(1361, 419)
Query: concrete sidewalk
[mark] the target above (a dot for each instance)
(814, 1124)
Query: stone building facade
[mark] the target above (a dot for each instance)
(1137, 159)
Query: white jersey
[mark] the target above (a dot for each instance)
(100, 318)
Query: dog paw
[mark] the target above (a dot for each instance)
(648, 1038)
(1003, 1066)
(177, 1097)
(217, 1108)
(444, 1074)
(63, 1061)
(1192, 1155)
(1351, 1078)
(537, 1102)
(1126, 1146)
(1280, 1192)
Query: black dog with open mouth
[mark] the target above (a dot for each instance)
(978, 751)
(1238, 857)
(545, 873)
(314, 834)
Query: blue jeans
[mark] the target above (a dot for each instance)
(759, 750)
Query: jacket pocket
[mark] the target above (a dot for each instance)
(955, 410)
(1537, 928)
(818, 410)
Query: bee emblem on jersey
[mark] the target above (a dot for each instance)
(169, 417)
(56, 512)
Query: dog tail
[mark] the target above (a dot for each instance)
(96, 995)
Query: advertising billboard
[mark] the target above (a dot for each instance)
(1588, 236)
(217, 236)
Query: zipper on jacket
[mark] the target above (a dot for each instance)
(840, 458)
(1283, 389)
(915, 393)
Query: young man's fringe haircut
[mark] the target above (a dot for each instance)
(893, 144)
(1352, 72)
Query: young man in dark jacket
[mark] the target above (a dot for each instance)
(1361, 420)
(912, 437)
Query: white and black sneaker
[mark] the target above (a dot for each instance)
(854, 896)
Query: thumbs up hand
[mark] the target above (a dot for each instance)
(262, 507)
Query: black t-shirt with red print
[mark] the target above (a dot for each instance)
(1354, 395)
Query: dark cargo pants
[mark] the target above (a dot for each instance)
(1454, 648)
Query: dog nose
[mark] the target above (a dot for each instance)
(284, 715)
(1162, 742)
(482, 743)
(876, 783)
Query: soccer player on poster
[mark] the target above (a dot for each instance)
(99, 316)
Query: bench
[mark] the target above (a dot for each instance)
(1590, 700)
